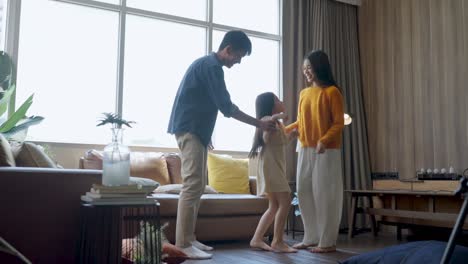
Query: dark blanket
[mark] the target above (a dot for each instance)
(420, 252)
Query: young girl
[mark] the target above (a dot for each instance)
(271, 174)
(319, 174)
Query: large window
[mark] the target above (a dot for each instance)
(81, 58)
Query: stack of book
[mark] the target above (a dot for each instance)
(127, 194)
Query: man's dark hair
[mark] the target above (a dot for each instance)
(238, 41)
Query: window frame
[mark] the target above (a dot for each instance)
(13, 26)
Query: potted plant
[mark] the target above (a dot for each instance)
(13, 125)
(116, 158)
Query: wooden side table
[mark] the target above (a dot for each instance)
(103, 227)
(408, 208)
(355, 194)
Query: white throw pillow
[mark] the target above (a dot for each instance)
(176, 188)
(143, 182)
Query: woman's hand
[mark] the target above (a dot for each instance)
(320, 148)
(293, 134)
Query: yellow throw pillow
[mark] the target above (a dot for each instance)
(228, 175)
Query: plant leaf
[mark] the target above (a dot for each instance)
(6, 69)
(114, 119)
(17, 115)
(5, 101)
(23, 124)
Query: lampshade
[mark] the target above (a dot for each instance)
(347, 119)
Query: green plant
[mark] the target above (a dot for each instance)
(146, 247)
(116, 120)
(15, 121)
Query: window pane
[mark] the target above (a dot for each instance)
(258, 15)
(3, 20)
(195, 9)
(256, 74)
(68, 59)
(157, 54)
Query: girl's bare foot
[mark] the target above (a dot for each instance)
(282, 247)
(259, 244)
(323, 249)
(301, 245)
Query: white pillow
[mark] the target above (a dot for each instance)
(143, 182)
(176, 188)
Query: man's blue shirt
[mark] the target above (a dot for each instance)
(201, 94)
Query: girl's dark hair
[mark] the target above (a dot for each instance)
(321, 67)
(263, 107)
(238, 40)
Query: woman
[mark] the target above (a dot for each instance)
(319, 174)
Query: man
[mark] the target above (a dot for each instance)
(202, 93)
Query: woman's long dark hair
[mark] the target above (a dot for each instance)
(321, 67)
(263, 107)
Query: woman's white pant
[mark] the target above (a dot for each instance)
(320, 194)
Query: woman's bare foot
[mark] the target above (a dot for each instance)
(260, 244)
(323, 249)
(301, 245)
(282, 247)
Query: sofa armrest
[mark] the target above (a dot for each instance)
(253, 184)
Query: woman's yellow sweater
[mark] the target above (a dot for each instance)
(320, 117)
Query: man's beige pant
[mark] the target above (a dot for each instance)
(320, 193)
(194, 175)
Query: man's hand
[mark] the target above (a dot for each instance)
(210, 146)
(267, 125)
(320, 148)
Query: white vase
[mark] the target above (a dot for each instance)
(116, 161)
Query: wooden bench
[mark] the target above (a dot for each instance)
(406, 208)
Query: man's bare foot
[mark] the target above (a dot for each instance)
(282, 247)
(259, 244)
(323, 249)
(301, 245)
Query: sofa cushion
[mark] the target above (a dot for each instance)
(216, 204)
(176, 188)
(174, 167)
(32, 155)
(227, 174)
(151, 165)
(93, 160)
(6, 155)
(143, 182)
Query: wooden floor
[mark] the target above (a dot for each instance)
(239, 251)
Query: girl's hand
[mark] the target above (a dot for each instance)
(320, 148)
